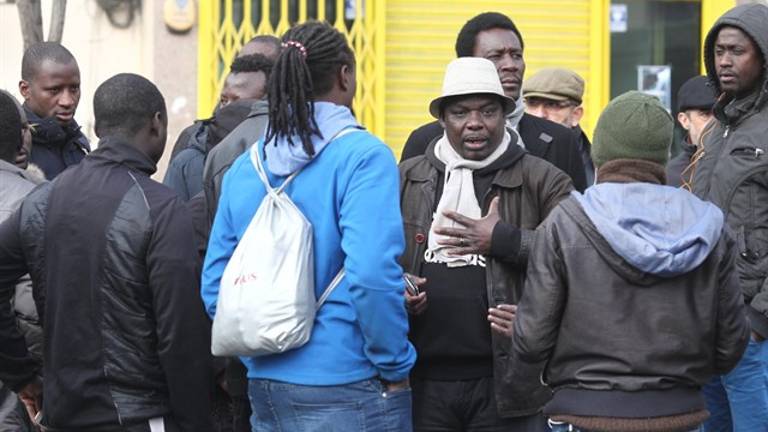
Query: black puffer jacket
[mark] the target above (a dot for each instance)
(733, 171)
(113, 262)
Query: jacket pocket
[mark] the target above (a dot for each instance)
(521, 390)
(752, 262)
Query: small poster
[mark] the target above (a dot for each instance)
(350, 9)
(656, 81)
(618, 18)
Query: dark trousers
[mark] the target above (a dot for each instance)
(230, 413)
(464, 406)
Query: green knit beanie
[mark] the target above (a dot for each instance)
(633, 126)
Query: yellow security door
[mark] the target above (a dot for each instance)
(420, 39)
(225, 25)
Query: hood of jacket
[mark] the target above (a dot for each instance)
(225, 121)
(284, 158)
(658, 230)
(752, 19)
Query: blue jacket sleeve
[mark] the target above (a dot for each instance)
(372, 239)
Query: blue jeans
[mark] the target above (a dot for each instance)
(738, 401)
(361, 406)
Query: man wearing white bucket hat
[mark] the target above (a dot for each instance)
(462, 314)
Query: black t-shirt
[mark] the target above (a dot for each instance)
(453, 335)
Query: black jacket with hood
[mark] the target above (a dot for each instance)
(658, 312)
(733, 171)
(113, 265)
(185, 172)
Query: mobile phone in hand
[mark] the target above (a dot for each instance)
(410, 286)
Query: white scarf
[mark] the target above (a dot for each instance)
(513, 119)
(458, 195)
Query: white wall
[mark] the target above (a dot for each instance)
(102, 50)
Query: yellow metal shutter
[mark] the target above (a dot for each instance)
(420, 42)
(226, 25)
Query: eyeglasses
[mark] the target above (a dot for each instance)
(535, 102)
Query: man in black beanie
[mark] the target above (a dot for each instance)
(694, 111)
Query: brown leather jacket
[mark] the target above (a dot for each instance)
(620, 341)
(528, 190)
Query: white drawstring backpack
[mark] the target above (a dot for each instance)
(266, 301)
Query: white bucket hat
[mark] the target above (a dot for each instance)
(468, 76)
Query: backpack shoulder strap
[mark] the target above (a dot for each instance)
(261, 171)
(334, 283)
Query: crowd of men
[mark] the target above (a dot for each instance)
(507, 275)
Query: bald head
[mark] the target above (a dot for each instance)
(266, 45)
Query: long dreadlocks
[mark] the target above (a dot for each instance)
(306, 68)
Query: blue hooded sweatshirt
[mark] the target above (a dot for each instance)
(659, 230)
(349, 193)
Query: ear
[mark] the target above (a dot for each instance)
(576, 115)
(345, 77)
(24, 89)
(684, 121)
(156, 124)
(441, 121)
(97, 129)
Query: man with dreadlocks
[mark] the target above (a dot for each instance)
(352, 374)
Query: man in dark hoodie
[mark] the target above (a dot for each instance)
(470, 280)
(246, 84)
(694, 111)
(630, 342)
(50, 85)
(267, 46)
(731, 173)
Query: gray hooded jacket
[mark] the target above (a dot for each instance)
(733, 171)
(230, 148)
(15, 184)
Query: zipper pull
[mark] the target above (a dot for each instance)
(758, 152)
(727, 129)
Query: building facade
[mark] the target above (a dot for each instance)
(402, 46)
